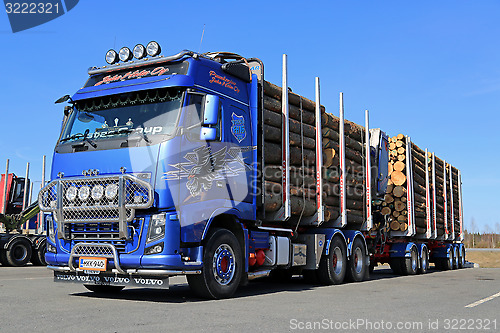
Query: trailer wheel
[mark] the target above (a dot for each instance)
(333, 267)
(396, 264)
(424, 262)
(461, 257)
(222, 267)
(357, 261)
(38, 257)
(455, 257)
(410, 265)
(100, 289)
(446, 264)
(19, 252)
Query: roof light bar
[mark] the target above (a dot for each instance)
(125, 54)
(139, 51)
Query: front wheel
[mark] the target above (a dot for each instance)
(357, 261)
(222, 267)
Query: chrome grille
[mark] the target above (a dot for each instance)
(94, 250)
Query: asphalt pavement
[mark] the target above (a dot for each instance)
(466, 299)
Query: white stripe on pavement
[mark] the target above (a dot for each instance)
(481, 301)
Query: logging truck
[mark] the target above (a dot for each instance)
(20, 239)
(193, 164)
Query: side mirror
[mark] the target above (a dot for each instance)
(63, 99)
(211, 110)
(208, 133)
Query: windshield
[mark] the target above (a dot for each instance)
(150, 114)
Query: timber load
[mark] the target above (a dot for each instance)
(302, 143)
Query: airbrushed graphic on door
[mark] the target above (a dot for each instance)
(203, 167)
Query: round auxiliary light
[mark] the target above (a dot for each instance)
(111, 191)
(125, 54)
(97, 192)
(153, 49)
(139, 51)
(71, 193)
(84, 193)
(111, 57)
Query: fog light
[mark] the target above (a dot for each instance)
(97, 192)
(71, 193)
(111, 57)
(153, 49)
(111, 191)
(125, 54)
(51, 248)
(139, 51)
(155, 249)
(84, 193)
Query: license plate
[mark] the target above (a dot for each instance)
(93, 264)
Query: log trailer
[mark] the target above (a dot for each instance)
(18, 248)
(194, 165)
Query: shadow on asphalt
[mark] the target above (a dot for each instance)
(180, 293)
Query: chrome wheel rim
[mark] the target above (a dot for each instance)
(337, 261)
(358, 260)
(224, 264)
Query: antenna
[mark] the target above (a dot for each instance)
(201, 41)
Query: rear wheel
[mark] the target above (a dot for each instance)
(357, 261)
(461, 257)
(38, 257)
(222, 267)
(410, 265)
(455, 257)
(100, 289)
(19, 252)
(332, 267)
(424, 262)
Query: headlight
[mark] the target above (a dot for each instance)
(139, 51)
(156, 227)
(71, 193)
(153, 49)
(111, 191)
(125, 54)
(84, 193)
(111, 57)
(50, 228)
(97, 192)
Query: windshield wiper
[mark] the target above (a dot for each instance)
(85, 138)
(80, 135)
(142, 134)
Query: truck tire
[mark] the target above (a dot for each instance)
(333, 267)
(461, 257)
(38, 256)
(357, 265)
(19, 252)
(445, 264)
(396, 264)
(410, 265)
(100, 289)
(222, 267)
(424, 262)
(455, 257)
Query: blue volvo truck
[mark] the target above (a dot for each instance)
(160, 170)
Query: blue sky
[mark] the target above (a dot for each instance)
(428, 69)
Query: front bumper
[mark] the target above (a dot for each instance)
(148, 278)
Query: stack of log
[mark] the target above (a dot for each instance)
(419, 161)
(456, 197)
(302, 158)
(394, 204)
(354, 167)
(302, 151)
(439, 196)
